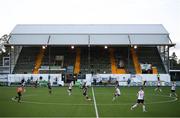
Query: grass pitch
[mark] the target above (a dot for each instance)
(37, 102)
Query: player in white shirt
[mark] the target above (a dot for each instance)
(140, 100)
(70, 88)
(117, 93)
(158, 86)
(173, 89)
(85, 92)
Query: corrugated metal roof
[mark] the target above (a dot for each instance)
(149, 39)
(68, 40)
(89, 29)
(109, 40)
(29, 39)
(109, 34)
(89, 40)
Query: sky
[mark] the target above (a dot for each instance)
(166, 12)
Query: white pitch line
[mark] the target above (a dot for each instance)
(43, 103)
(95, 106)
(122, 104)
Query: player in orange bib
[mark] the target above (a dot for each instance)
(19, 91)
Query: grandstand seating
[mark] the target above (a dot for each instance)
(68, 54)
(121, 53)
(78, 61)
(154, 70)
(38, 61)
(101, 60)
(118, 60)
(26, 60)
(113, 61)
(84, 66)
(136, 61)
(151, 55)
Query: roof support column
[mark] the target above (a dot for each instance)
(168, 60)
(89, 54)
(10, 59)
(129, 46)
(49, 59)
(128, 51)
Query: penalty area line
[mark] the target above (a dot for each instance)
(95, 105)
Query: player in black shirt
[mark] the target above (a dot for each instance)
(49, 86)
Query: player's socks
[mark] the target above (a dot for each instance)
(134, 106)
(113, 98)
(144, 108)
(176, 95)
(19, 99)
(155, 89)
(69, 93)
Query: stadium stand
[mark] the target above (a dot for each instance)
(104, 53)
(26, 60)
(136, 61)
(78, 61)
(38, 61)
(121, 57)
(151, 56)
(68, 58)
(89, 55)
(99, 60)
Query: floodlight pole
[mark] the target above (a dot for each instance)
(168, 61)
(49, 49)
(89, 54)
(10, 59)
(128, 57)
(129, 46)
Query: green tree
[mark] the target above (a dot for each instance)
(174, 62)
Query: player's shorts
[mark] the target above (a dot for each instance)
(117, 94)
(158, 86)
(140, 101)
(19, 94)
(85, 94)
(49, 87)
(70, 89)
(172, 90)
(23, 84)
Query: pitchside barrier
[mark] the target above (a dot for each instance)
(135, 79)
(56, 79)
(97, 79)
